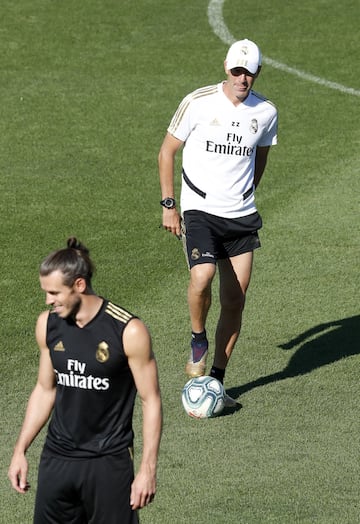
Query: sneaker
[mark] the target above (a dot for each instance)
(229, 402)
(195, 366)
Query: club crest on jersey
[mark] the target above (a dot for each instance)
(254, 126)
(195, 254)
(102, 352)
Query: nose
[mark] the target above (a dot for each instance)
(49, 299)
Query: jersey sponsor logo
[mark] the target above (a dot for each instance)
(231, 147)
(59, 346)
(102, 352)
(76, 378)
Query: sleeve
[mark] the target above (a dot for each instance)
(180, 125)
(269, 137)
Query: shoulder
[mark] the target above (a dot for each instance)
(136, 328)
(260, 100)
(194, 104)
(41, 328)
(205, 91)
(118, 312)
(202, 93)
(136, 339)
(43, 318)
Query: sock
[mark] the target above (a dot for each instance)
(218, 373)
(199, 345)
(197, 338)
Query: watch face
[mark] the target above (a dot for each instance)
(169, 203)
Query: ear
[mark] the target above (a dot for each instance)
(80, 285)
(225, 68)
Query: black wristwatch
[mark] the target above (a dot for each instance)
(168, 202)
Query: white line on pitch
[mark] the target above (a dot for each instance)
(219, 27)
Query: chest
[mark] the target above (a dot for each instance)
(88, 351)
(226, 126)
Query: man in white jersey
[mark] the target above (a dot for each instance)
(226, 131)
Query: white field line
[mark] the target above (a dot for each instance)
(219, 27)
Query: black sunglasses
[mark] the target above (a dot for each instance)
(237, 71)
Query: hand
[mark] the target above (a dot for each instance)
(172, 221)
(142, 491)
(17, 473)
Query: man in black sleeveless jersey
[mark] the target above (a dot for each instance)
(94, 357)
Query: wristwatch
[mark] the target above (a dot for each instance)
(168, 202)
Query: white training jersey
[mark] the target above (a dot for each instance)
(220, 147)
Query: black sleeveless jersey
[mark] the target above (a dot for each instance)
(95, 390)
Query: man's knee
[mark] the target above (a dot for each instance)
(233, 301)
(201, 276)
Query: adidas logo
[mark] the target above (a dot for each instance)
(215, 122)
(59, 346)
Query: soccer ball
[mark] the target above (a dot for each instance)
(203, 397)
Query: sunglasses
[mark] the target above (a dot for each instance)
(237, 71)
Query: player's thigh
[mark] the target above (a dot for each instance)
(107, 490)
(234, 276)
(200, 242)
(57, 500)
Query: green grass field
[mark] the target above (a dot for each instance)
(87, 91)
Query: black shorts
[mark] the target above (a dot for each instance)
(209, 238)
(85, 491)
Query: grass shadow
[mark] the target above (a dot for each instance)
(319, 346)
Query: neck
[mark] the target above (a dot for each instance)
(89, 308)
